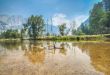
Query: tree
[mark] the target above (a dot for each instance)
(95, 16)
(73, 27)
(99, 21)
(62, 28)
(23, 30)
(35, 26)
(105, 23)
(85, 28)
(79, 32)
(74, 31)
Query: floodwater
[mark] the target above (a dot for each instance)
(54, 58)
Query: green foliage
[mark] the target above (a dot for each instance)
(99, 21)
(105, 23)
(62, 29)
(95, 16)
(74, 38)
(74, 31)
(10, 34)
(35, 26)
(48, 34)
(79, 32)
(85, 29)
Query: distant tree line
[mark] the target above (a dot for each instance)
(10, 34)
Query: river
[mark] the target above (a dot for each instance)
(54, 58)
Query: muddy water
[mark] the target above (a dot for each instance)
(54, 58)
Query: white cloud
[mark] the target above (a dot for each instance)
(61, 18)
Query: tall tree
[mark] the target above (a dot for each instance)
(73, 27)
(85, 28)
(62, 28)
(35, 26)
(95, 16)
(105, 23)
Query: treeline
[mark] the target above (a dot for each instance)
(99, 21)
(10, 34)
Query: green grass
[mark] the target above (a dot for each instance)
(18, 39)
(104, 37)
(78, 38)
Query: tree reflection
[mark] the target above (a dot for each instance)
(99, 55)
(62, 49)
(35, 53)
(10, 45)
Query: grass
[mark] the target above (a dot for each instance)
(104, 37)
(18, 39)
(77, 38)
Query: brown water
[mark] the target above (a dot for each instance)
(54, 58)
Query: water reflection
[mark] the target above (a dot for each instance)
(35, 54)
(62, 49)
(54, 58)
(99, 54)
(10, 45)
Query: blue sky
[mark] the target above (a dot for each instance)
(64, 9)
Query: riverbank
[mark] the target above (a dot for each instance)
(18, 39)
(74, 38)
(105, 37)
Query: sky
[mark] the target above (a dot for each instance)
(59, 10)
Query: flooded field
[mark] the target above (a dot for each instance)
(54, 58)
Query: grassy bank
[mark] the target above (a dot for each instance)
(18, 39)
(78, 38)
(105, 37)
